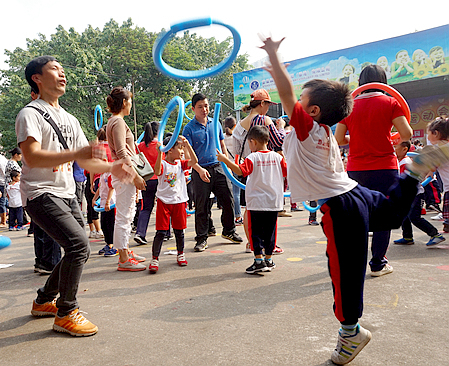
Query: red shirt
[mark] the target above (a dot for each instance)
(369, 127)
(150, 153)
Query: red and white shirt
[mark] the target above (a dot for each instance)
(171, 186)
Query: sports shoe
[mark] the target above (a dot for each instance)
(234, 237)
(278, 250)
(239, 221)
(438, 217)
(429, 158)
(201, 246)
(257, 266)
(154, 266)
(130, 265)
(212, 232)
(43, 270)
(12, 228)
(140, 239)
(433, 208)
(75, 324)
(136, 257)
(99, 235)
(111, 252)
(349, 346)
(182, 260)
(296, 209)
(103, 250)
(248, 248)
(92, 235)
(18, 228)
(46, 309)
(313, 222)
(270, 264)
(167, 238)
(404, 241)
(386, 270)
(435, 240)
(284, 213)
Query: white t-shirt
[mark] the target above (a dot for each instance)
(59, 179)
(105, 184)
(3, 162)
(265, 185)
(14, 198)
(315, 169)
(238, 136)
(171, 186)
(402, 164)
(444, 175)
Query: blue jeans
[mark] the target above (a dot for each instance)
(15, 214)
(2, 200)
(46, 250)
(148, 197)
(62, 220)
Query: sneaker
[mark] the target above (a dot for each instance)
(201, 246)
(349, 346)
(140, 240)
(239, 221)
(130, 265)
(212, 232)
(296, 209)
(433, 208)
(435, 240)
(103, 250)
(404, 241)
(313, 222)
(429, 158)
(43, 270)
(270, 264)
(12, 228)
(99, 235)
(284, 213)
(234, 237)
(438, 217)
(75, 324)
(46, 309)
(386, 270)
(19, 228)
(111, 252)
(167, 238)
(136, 257)
(257, 266)
(248, 248)
(92, 235)
(278, 250)
(182, 260)
(154, 266)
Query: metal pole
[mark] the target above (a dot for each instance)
(134, 108)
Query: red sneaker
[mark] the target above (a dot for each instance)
(182, 260)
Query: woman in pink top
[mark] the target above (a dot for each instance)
(372, 161)
(121, 144)
(149, 148)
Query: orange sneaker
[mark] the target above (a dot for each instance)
(46, 309)
(75, 324)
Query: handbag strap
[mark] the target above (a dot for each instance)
(48, 118)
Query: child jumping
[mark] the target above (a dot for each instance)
(414, 217)
(171, 197)
(315, 171)
(265, 170)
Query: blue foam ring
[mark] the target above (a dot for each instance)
(185, 108)
(176, 101)
(96, 111)
(164, 38)
(140, 138)
(412, 153)
(190, 212)
(309, 208)
(97, 207)
(4, 242)
(427, 181)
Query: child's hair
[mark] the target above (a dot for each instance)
(440, 125)
(101, 134)
(14, 173)
(433, 49)
(150, 129)
(397, 53)
(229, 123)
(333, 98)
(406, 144)
(167, 140)
(116, 97)
(259, 133)
(372, 74)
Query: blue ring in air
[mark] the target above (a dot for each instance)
(164, 38)
(97, 207)
(96, 111)
(185, 108)
(176, 101)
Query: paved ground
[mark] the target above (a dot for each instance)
(212, 313)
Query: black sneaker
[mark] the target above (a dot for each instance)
(257, 266)
(201, 246)
(234, 237)
(270, 264)
(212, 232)
(140, 240)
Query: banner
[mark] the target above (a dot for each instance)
(415, 56)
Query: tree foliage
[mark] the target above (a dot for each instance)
(97, 60)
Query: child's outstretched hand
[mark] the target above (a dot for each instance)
(220, 156)
(269, 45)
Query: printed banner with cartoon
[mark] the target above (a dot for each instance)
(414, 56)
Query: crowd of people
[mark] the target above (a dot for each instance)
(368, 193)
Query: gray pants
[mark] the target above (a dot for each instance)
(61, 219)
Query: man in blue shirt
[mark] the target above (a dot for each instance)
(208, 175)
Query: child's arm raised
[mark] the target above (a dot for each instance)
(231, 165)
(158, 164)
(189, 151)
(280, 75)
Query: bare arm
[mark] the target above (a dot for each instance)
(223, 148)
(158, 164)
(340, 134)
(231, 165)
(404, 129)
(190, 154)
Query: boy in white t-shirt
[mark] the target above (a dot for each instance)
(171, 197)
(315, 171)
(265, 170)
(15, 202)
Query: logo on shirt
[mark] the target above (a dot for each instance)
(323, 144)
(170, 178)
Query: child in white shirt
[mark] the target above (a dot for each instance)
(15, 202)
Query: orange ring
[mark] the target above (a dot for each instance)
(393, 92)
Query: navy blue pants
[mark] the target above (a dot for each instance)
(262, 226)
(346, 221)
(414, 217)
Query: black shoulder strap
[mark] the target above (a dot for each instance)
(48, 118)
